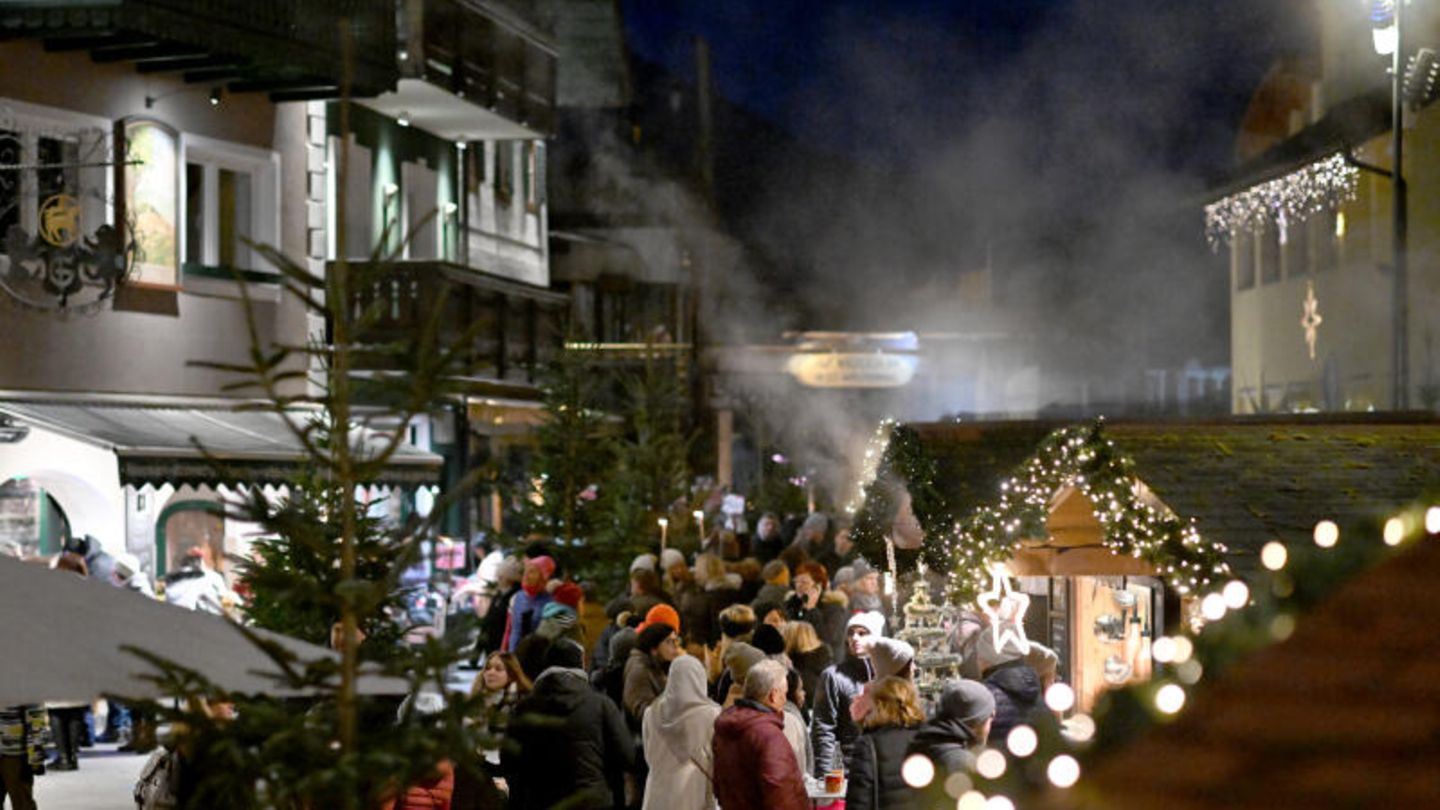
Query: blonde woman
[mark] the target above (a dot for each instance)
(886, 732)
(808, 654)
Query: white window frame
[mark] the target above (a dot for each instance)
(34, 120)
(262, 165)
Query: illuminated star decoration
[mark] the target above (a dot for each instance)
(1004, 607)
(1311, 320)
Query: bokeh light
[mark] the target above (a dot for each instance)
(917, 770)
(1170, 698)
(1274, 555)
(1063, 771)
(1236, 594)
(1060, 697)
(1327, 534)
(1022, 741)
(1394, 531)
(990, 764)
(1212, 607)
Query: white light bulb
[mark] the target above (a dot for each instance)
(1327, 534)
(1212, 607)
(1063, 771)
(999, 803)
(1022, 741)
(1060, 697)
(1432, 520)
(1273, 556)
(1163, 650)
(917, 770)
(1394, 531)
(1236, 594)
(1170, 698)
(971, 800)
(990, 764)
(1183, 649)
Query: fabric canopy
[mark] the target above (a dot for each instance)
(63, 635)
(202, 441)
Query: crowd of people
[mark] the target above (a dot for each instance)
(721, 680)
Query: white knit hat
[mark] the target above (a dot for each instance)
(871, 620)
(669, 558)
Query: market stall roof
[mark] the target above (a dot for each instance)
(63, 636)
(1243, 481)
(159, 439)
(1342, 714)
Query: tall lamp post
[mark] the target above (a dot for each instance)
(1387, 18)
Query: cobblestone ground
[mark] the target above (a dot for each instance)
(103, 782)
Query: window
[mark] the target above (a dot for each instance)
(231, 202)
(1295, 239)
(503, 176)
(1269, 254)
(151, 201)
(1242, 256)
(1327, 239)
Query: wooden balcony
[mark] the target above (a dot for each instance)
(291, 50)
(519, 324)
(490, 54)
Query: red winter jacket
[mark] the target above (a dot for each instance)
(431, 793)
(755, 767)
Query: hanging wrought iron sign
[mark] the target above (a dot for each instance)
(58, 250)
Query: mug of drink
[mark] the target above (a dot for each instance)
(834, 780)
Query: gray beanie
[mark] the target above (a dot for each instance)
(965, 700)
(889, 655)
(739, 658)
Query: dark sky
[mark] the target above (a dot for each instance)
(898, 77)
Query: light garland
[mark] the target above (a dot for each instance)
(1081, 457)
(1320, 186)
(875, 449)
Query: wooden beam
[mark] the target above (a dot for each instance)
(141, 53)
(313, 94)
(269, 85)
(196, 63)
(91, 41)
(215, 74)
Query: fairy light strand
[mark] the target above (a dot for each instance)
(1321, 186)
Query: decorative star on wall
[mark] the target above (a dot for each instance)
(1006, 610)
(1311, 320)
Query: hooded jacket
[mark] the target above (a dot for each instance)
(677, 731)
(526, 613)
(1016, 688)
(832, 730)
(568, 741)
(874, 781)
(755, 768)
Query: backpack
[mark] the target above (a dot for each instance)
(159, 779)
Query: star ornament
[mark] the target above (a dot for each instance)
(1310, 321)
(1005, 609)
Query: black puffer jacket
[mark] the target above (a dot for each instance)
(949, 744)
(832, 730)
(874, 771)
(569, 740)
(1016, 688)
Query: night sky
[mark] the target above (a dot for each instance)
(898, 77)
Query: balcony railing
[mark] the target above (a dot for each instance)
(501, 62)
(263, 45)
(516, 326)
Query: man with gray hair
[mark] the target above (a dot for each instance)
(755, 768)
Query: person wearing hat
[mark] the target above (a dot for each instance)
(739, 658)
(832, 730)
(864, 590)
(889, 658)
(960, 727)
(570, 743)
(646, 671)
(528, 606)
(508, 574)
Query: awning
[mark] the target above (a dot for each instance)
(159, 440)
(65, 634)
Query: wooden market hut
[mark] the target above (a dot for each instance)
(1160, 510)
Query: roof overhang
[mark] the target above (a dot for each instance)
(441, 112)
(175, 440)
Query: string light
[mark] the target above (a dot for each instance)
(1394, 531)
(1274, 555)
(1060, 697)
(1063, 771)
(1022, 741)
(1170, 698)
(917, 770)
(1321, 186)
(990, 764)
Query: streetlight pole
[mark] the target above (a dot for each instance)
(1399, 306)
(1390, 39)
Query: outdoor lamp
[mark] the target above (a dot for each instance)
(1382, 26)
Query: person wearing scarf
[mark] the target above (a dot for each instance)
(677, 730)
(527, 606)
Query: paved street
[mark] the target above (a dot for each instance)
(103, 782)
